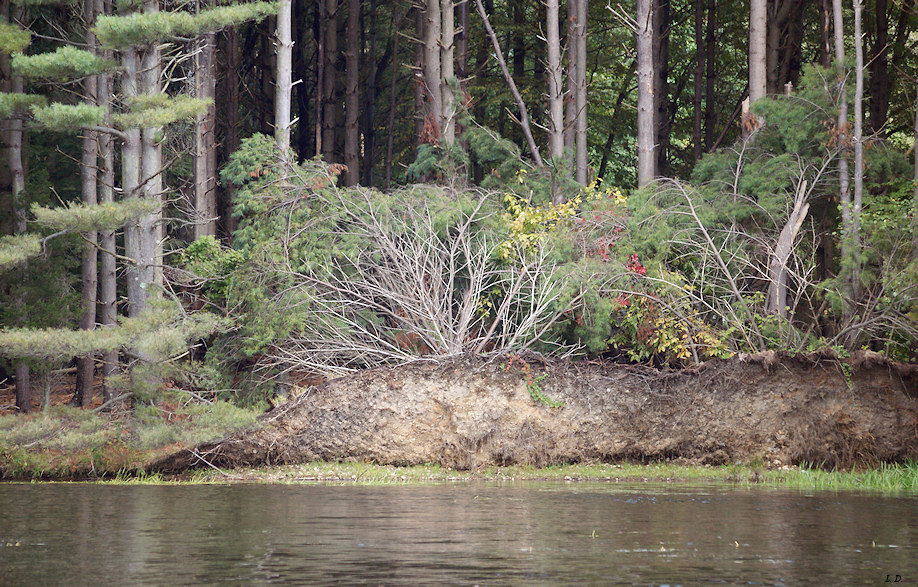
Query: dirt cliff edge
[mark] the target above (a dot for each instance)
(470, 412)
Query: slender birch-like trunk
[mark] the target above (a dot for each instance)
(283, 90)
(647, 170)
(758, 60)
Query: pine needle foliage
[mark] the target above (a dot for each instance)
(78, 217)
(14, 250)
(13, 39)
(158, 334)
(116, 32)
(16, 103)
(66, 117)
(66, 63)
(161, 110)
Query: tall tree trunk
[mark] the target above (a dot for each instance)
(393, 83)
(448, 71)
(371, 93)
(710, 100)
(89, 185)
(662, 20)
(858, 138)
(570, 106)
(352, 95)
(153, 229)
(848, 252)
(555, 89)
(283, 89)
(108, 290)
(330, 75)
(14, 158)
(433, 97)
(229, 111)
(581, 158)
(462, 45)
(698, 83)
(647, 169)
(205, 154)
(879, 70)
(758, 31)
(137, 275)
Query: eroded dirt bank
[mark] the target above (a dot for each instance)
(471, 412)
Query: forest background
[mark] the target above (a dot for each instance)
(225, 201)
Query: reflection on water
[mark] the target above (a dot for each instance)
(520, 534)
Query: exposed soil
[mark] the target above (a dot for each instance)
(471, 412)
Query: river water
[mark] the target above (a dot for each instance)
(454, 534)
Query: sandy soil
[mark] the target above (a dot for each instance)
(471, 412)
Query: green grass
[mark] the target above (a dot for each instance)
(887, 478)
(69, 443)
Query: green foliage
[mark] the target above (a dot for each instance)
(116, 32)
(159, 333)
(13, 39)
(161, 110)
(78, 217)
(16, 103)
(16, 249)
(56, 343)
(67, 118)
(212, 266)
(65, 63)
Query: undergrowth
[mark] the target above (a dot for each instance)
(66, 442)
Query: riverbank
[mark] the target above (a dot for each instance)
(521, 417)
(471, 413)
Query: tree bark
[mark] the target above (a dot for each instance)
(137, 276)
(283, 89)
(329, 77)
(14, 156)
(108, 290)
(581, 157)
(647, 169)
(352, 96)
(433, 97)
(448, 71)
(858, 138)
(89, 186)
(848, 252)
(776, 302)
(662, 21)
(555, 84)
(758, 31)
(371, 93)
(205, 155)
(230, 115)
(570, 106)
